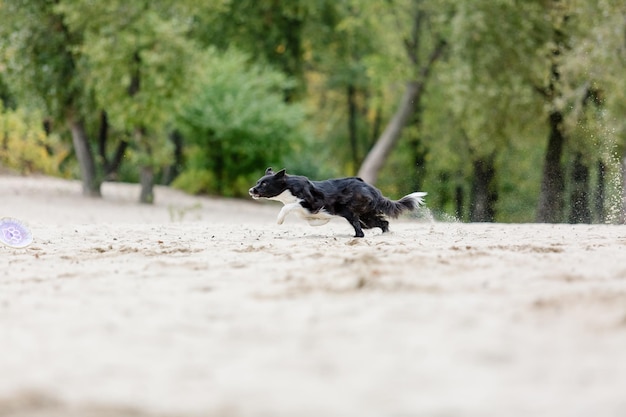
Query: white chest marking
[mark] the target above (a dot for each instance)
(286, 198)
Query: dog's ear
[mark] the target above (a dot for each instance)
(269, 171)
(280, 173)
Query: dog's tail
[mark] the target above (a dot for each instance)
(407, 203)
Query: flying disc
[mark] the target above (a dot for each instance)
(14, 233)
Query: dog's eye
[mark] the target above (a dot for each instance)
(263, 184)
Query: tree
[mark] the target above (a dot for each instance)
(597, 62)
(236, 125)
(580, 211)
(270, 31)
(481, 104)
(551, 204)
(42, 68)
(484, 194)
(344, 40)
(140, 63)
(422, 59)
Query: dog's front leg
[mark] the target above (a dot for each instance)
(354, 221)
(287, 208)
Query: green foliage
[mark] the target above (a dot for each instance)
(25, 147)
(138, 60)
(37, 55)
(271, 32)
(153, 67)
(6, 97)
(236, 125)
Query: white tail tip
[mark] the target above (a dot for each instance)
(418, 198)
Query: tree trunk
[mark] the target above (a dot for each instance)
(459, 201)
(550, 208)
(378, 154)
(171, 172)
(408, 104)
(146, 171)
(114, 164)
(600, 193)
(352, 125)
(147, 185)
(103, 135)
(484, 195)
(110, 166)
(579, 197)
(89, 178)
(622, 217)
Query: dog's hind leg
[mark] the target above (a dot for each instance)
(372, 220)
(382, 223)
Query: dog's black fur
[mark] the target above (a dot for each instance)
(360, 203)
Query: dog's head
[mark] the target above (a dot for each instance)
(270, 185)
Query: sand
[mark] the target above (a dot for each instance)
(205, 307)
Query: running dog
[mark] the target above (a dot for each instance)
(360, 203)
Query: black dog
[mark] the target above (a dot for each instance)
(361, 204)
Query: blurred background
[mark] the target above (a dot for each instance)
(502, 110)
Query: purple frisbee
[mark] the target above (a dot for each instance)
(14, 233)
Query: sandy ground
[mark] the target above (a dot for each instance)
(204, 307)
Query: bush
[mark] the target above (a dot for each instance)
(237, 125)
(25, 147)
